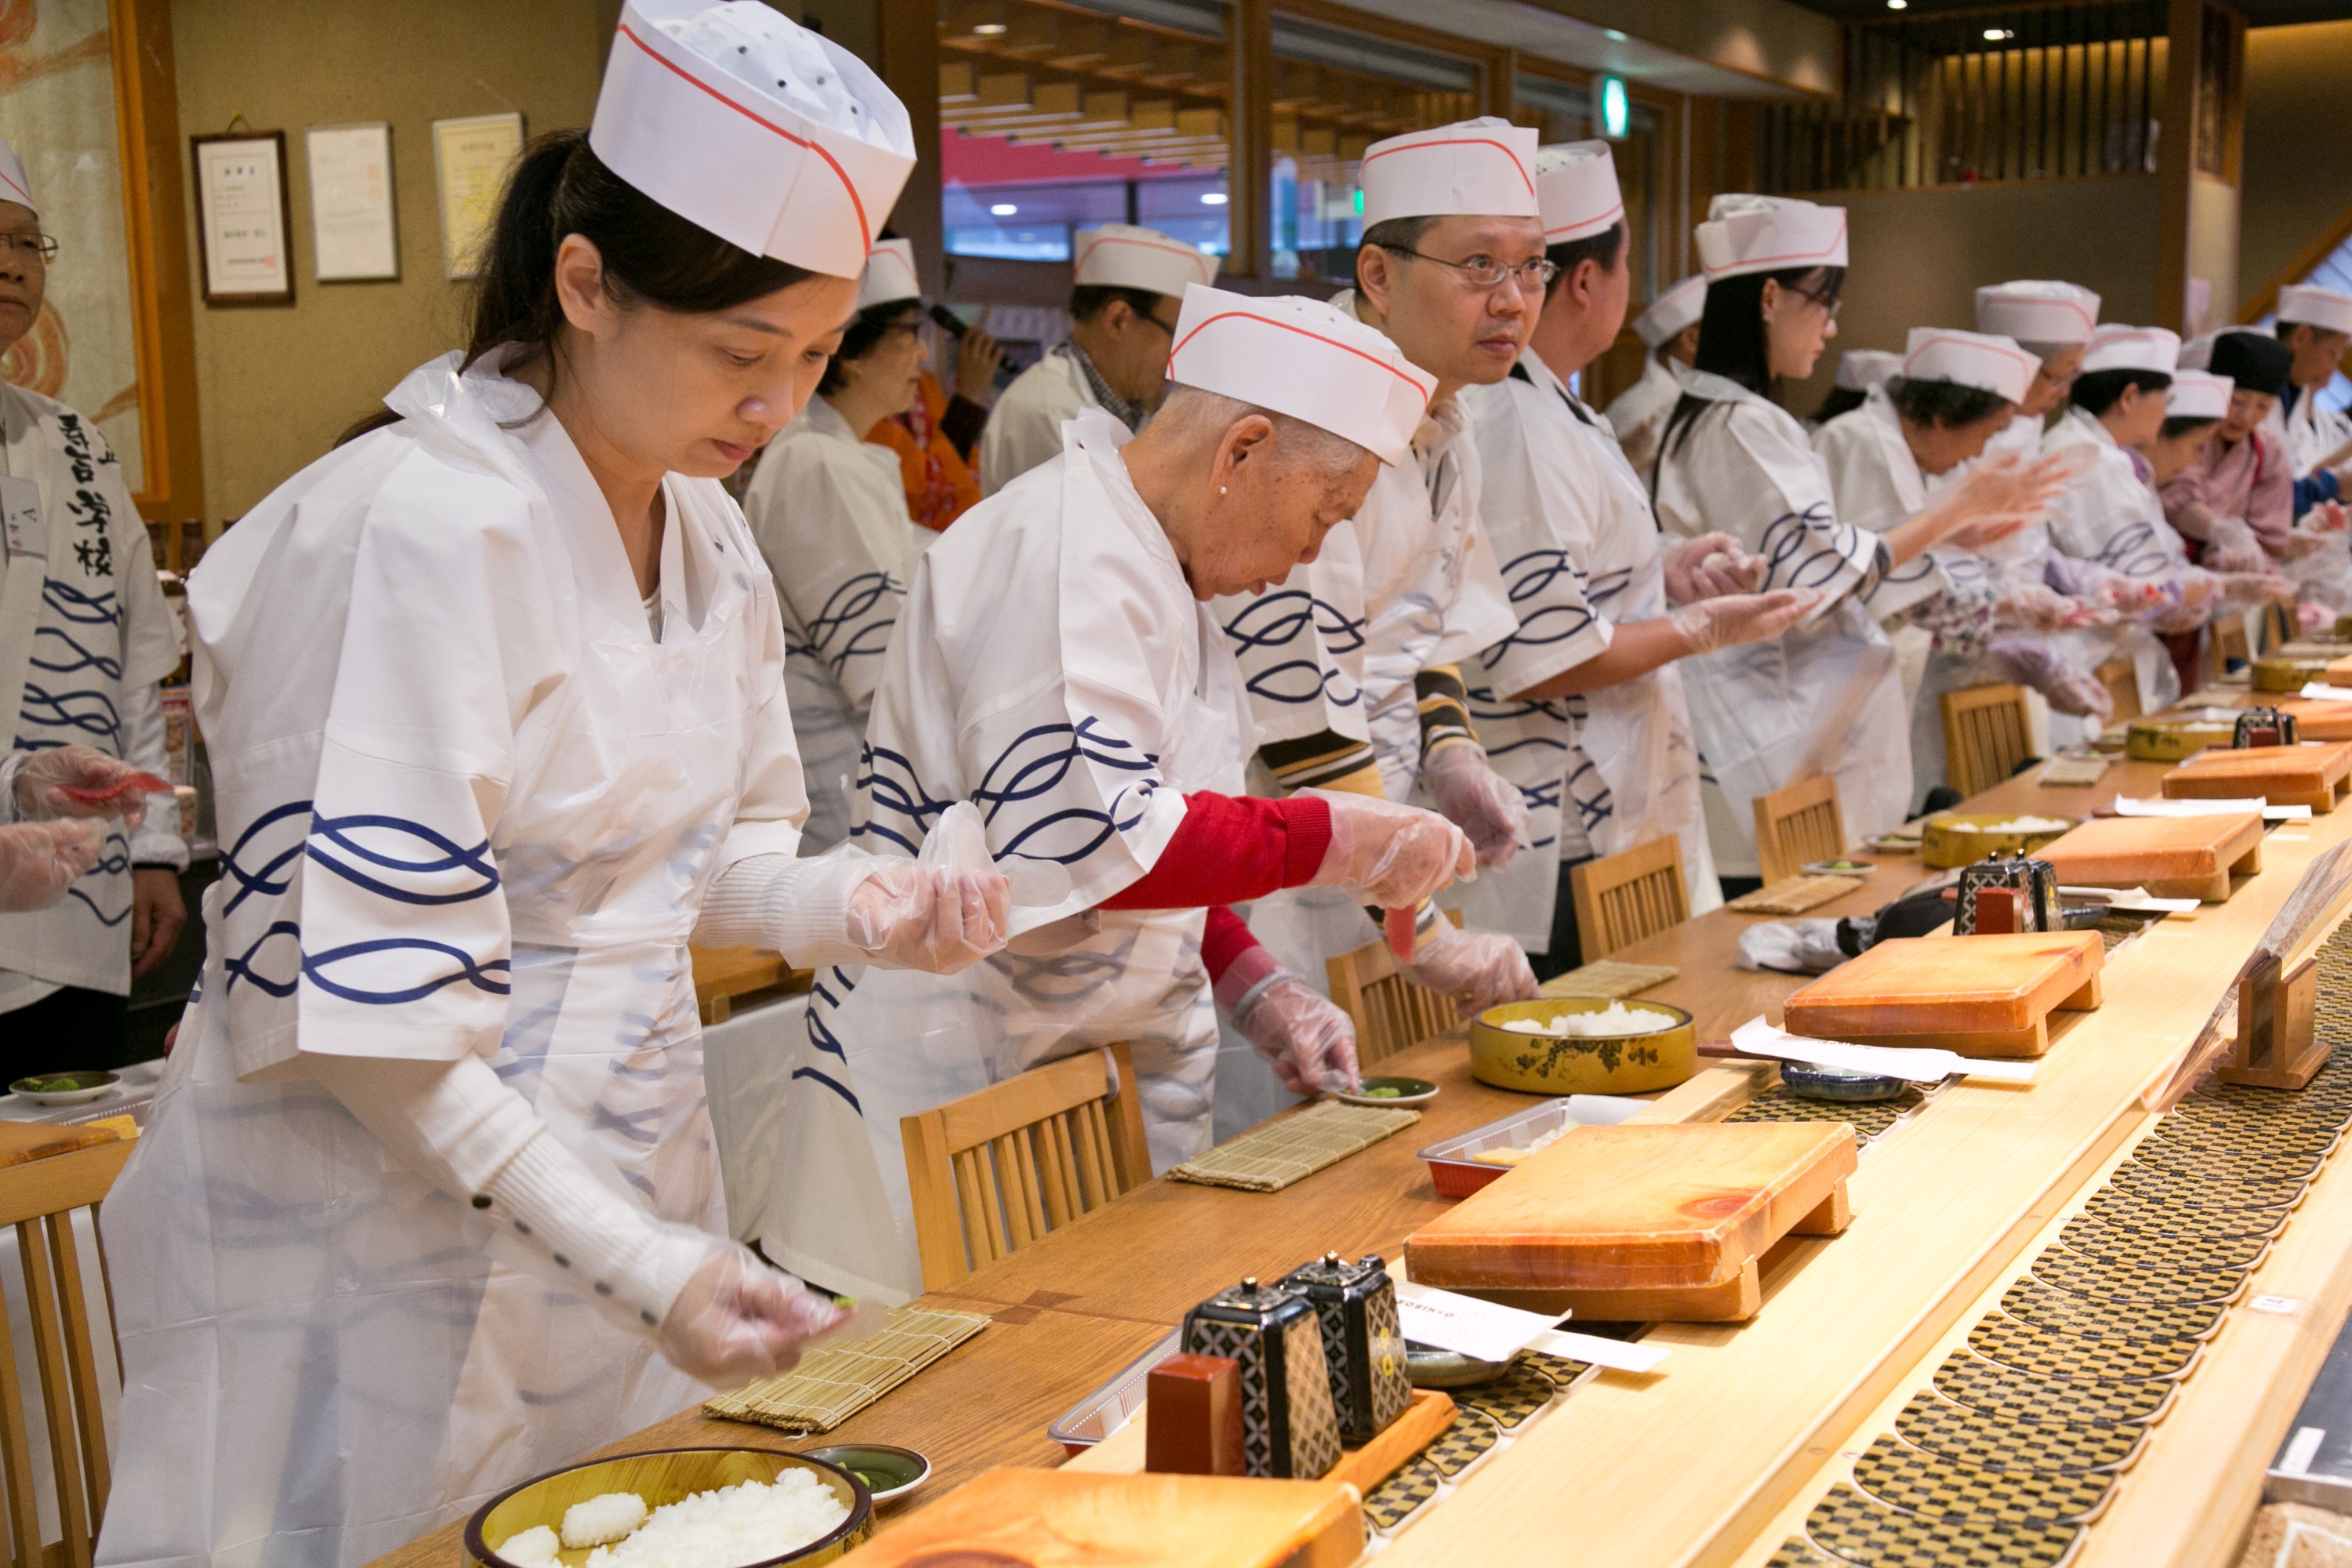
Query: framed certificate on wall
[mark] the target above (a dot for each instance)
(353, 236)
(242, 226)
(470, 160)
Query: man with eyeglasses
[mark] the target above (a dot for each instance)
(85, 636)
(1350, 660)
(1130, 282)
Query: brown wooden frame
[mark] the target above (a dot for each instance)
(1982, 726)
(285, 219)
(2121, 678)
(1619, 898)
(1389, 1008)
(1810, 805)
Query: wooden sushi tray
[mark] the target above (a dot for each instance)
(2318, 719)
(2171, 857)
(1642, 1223)
(1979, 995)
(2315, 775)
(1423, 1422)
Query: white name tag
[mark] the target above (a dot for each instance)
(20, 517)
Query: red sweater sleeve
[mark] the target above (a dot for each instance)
(1226, 938)
(1232, 848)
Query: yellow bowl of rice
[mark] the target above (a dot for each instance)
(695, 1508)
(1583, 1045)
(1963, 837)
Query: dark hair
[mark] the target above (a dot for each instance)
(2254, 362)
(1732, 341)
(1840, 400)
(1606, 250)
(863, 332)
(2179, 425)
(2096, 391)
(1394, 233)
(1088, 301)
(1945, 405)
(560, 187)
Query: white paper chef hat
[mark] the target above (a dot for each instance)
(890, 276)
(2329, 310)
(771, 137)
(2132, 348)
(2197, 395)
(1121, 256)
(1304, 358)
(1859, 370)
(1576, 191)
(2197, 354)
(1482, 167)
(1745, 234)
(1986, 361)
(2037, 310)
(14, 186)
(1678, 307)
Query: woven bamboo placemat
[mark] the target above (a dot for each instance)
(1794, 895)
(1608, 977)
(2076, 771)
(1271, 1158)
(833, 1382)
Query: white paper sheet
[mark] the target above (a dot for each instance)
(2130, 806)
(1916, 1064)
(1471, 1327)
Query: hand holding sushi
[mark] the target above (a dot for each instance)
(38, 860)
(77, 780)
(738, 1319)
(1391, 855)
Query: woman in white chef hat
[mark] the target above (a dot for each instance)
(428, 1204)
(2052, 321)
(1824, 697)
(1858, 370)
(1057, 667)
(829, 509)
(1951, 392)
(1669, 332)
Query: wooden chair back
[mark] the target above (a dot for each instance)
(2280, 624)
(2228, 645)
(1389, 1009)
(1986, 733)
(1797, 823)
(39, 1197)
(2121, 678)
(994, 1171)
(1623, 898)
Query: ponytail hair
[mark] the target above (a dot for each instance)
(651, 255)
(1734, 344)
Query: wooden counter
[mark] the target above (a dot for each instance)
(1700, 1465)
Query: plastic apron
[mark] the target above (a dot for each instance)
(1639, 413)
(2112, 517)
(1824, 697)
(324, 1355)
(886, 1044)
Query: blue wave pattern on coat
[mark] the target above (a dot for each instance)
(1809, 549)
(847, 626)
(1284, 642)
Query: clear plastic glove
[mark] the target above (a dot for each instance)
(2303, 543)
(1468, 792)
(2030, 660)
(2326, 517)
(2310, 617)
(2035, 607)
(40, 860)
(1982, 533)
(1731, 618)
(2245, 589)
(738, 1319)
(75, 780)
(931, 918)
(2005, 493)
(2231, 546)
(1483, 968)
(2128, 598)
(1394, 856)
(1309, 1042)
(1709, 566)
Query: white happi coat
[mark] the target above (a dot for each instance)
(1053, 668)
(85, 635)
(2311, 431)
(1824, 697)
(2113, 518)
(469, 805)
(829, 510)
(1607, 770)
(1025, 426)
(1639, 413)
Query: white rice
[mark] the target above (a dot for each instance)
(1614, 1019)
(533, 1548)
(602, 1519)
(2014, 824)
(732, 1526)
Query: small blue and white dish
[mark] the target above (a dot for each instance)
(1813, 1081)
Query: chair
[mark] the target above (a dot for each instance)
(2121, 678)
(2279, 625)
(39, 1196)
(1623, 898)
(1799, 823)
(996, 1170)
(1987, 734)
(1389, 1009)
(2228, 645)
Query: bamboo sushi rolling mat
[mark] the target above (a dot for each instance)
(2076, 772)
(1290, 1150)
(1794, 895)
(833, 1382)
(1609, 977)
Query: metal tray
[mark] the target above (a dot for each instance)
(1114, 1404)
(1455, 1171)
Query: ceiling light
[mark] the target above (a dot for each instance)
(1899, 4)
(1612, 35)
(1995, 34)
(1212, 198)
(1003, 209)
(988, 30)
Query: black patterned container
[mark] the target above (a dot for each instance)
(2036, 882)
(1289, 1430)
(2253, 722)
(1362, 1344)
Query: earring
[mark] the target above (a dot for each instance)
(1221, 489)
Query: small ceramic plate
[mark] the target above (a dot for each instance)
(1430, 1367)
(888, 1472)
(1893, 844)
(64, 1088)
(1838, 868)
(1814, 1081)
(1407, 1091)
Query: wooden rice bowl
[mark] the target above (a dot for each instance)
(1578, 1064)
(662, 1476)
(1944, 845)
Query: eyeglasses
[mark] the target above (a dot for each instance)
(38, 247)
(1485, 272)
(1828, 306)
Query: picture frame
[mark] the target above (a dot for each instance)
(355, 216)
(244, 230)
(470, 158)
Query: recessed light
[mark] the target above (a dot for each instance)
(1612, 35)
(1899, 4)
(1995, 34)
(1212, 198)
(988, 30)
(1003, 209)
